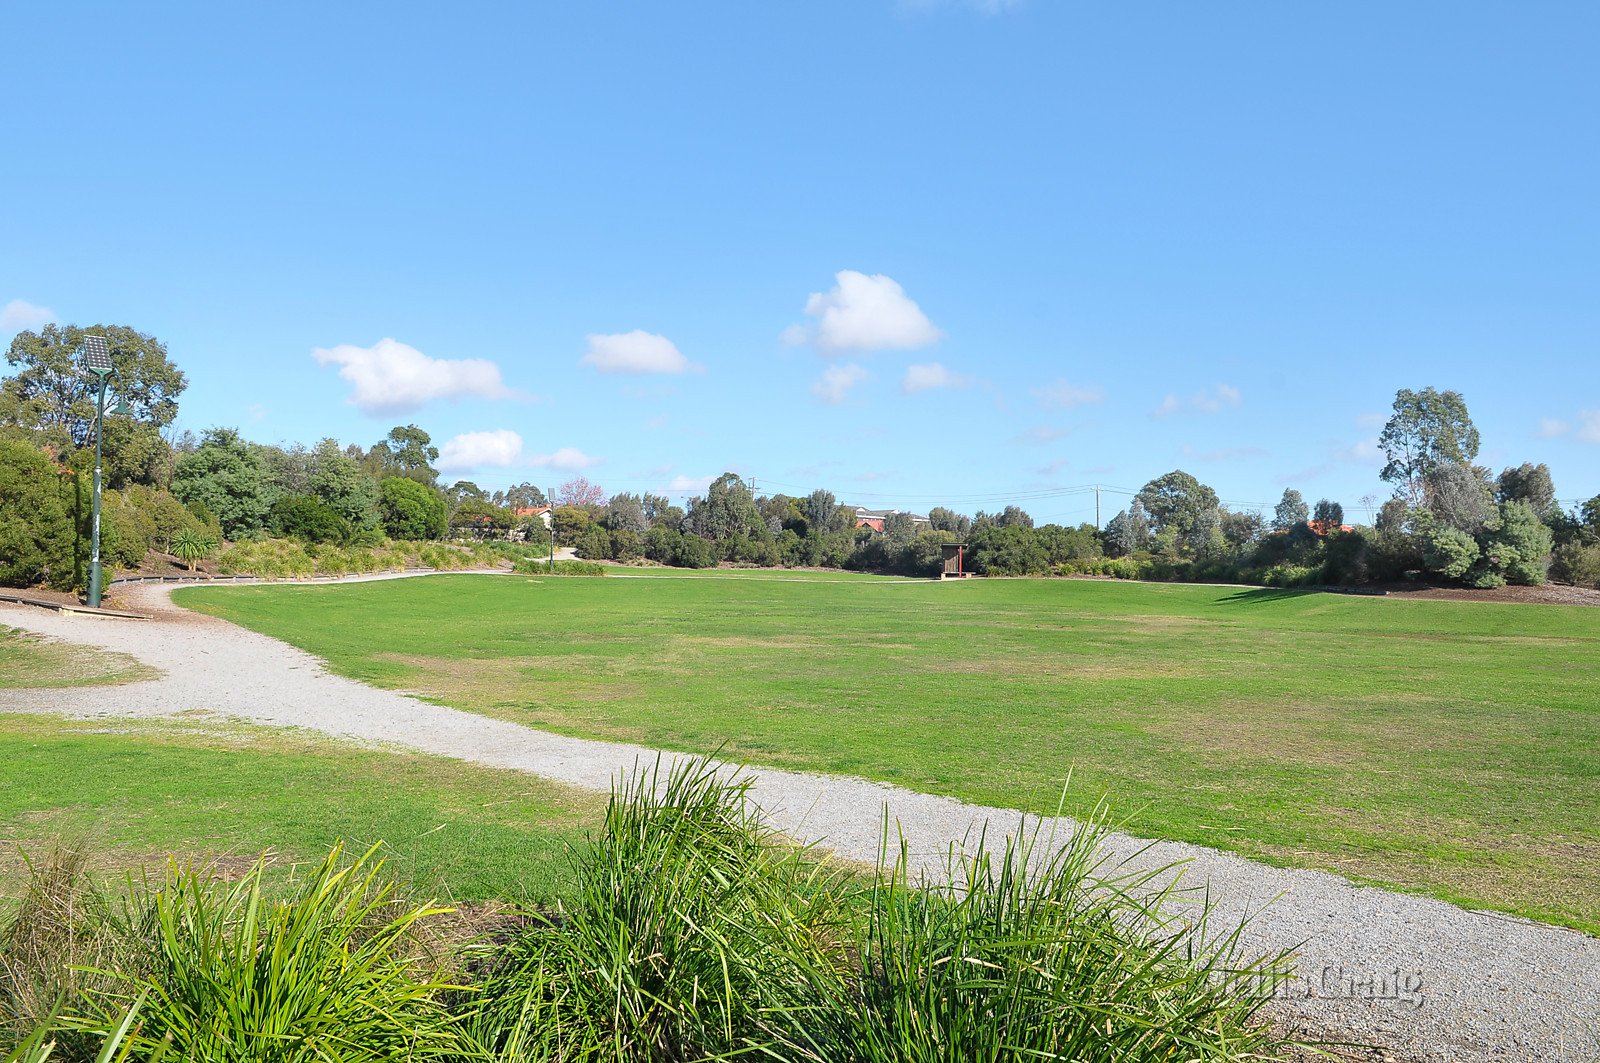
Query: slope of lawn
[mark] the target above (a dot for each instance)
(134, 793)
(1447, 747)
(29, 661)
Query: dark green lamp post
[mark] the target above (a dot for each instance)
(97, 359)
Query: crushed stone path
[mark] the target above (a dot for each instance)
(1425, 979)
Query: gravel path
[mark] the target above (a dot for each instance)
(1427, 980)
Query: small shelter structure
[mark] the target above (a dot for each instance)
(953, 561)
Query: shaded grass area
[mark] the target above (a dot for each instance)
(1450, 748)
(26, 660)
(134, 793)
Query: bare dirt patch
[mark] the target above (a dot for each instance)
(1548, 594)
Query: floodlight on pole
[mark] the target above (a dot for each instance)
(97, 359)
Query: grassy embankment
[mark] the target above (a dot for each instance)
(1449, 748)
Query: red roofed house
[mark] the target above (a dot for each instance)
(873, 518)
(542, 512)
(1322, 528)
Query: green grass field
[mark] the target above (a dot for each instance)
(132, 793)
(28, 661)
(1443, 747)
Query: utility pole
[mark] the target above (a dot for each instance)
(1096, 507)
(551, 497)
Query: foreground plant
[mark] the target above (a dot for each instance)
(61, 932)
(694, 934)
(1040, 952)
(331, 973)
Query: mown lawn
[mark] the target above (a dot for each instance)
(29, 661)
(135, 792)
(1445, 747)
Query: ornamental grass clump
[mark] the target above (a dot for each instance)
(1036, 952)
(693, 934)
(52, 946)
(331, 973)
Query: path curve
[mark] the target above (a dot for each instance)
(1492, 987)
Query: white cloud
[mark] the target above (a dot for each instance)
(931, 375)
(1040, 434)
(1362, 452)
(1209, 400)
(688, 485)
(392, 377)
(635, 353)
(19, 315)
(1586, 429)
(567, 459)
(864, 313)
(1066, 396)
(475, 450)
(1551, 427)
(836, 381)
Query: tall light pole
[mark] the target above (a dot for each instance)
(97, 359)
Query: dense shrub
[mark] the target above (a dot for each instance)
(126, 531)
(167, 515)
(1012, 550)
(626, 546)
(1448, 551)
(593, 543)
(694, 552)
(1115, 567)
(1346, 559)
(307, 518)
(37, 518)
(1290, 575)
(1517, 544)
(569, 523)
(1577, 563)
(661, 544)
(410, 510)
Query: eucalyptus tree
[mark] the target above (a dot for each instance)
(1428, 429)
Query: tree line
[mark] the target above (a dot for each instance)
(1450, 520)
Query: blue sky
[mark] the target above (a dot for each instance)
(916, 252)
